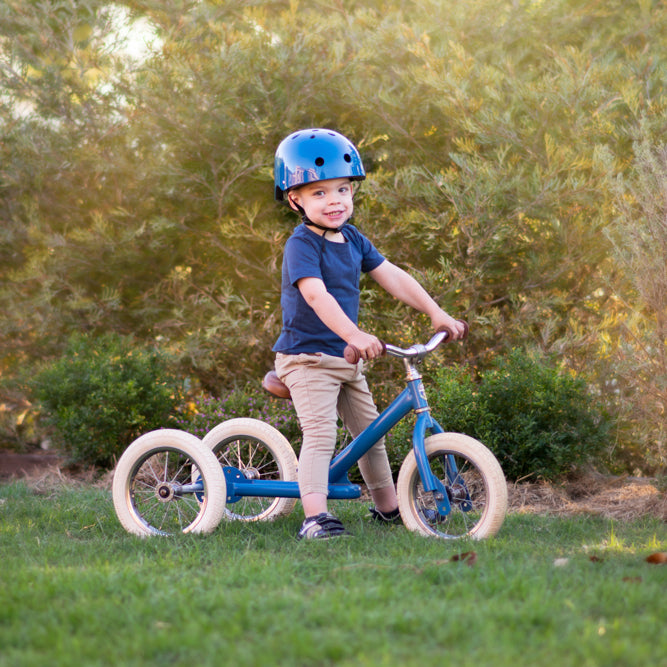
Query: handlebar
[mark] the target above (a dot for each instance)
(417, 351)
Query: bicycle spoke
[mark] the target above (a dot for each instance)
(164, 467)
(181, 475)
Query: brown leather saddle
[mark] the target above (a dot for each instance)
(274, 385)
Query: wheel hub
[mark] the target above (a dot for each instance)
(164, 492)
(251, 473)
(458, 492)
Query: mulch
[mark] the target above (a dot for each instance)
(622, 498)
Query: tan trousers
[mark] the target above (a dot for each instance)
(324, 387)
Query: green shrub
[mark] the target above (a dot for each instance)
(251, 401)
(452, 397)
(102, 394)
(539, 420)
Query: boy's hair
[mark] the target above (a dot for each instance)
(316, 154)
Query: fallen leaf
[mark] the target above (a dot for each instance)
(595, 559)
(632, 580)
(470, 557)
(561, 562)
(658, 558)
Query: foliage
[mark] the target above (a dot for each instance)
(137, 192)
(638, 342)
(251, 401)
(102, 394)
(539, 420)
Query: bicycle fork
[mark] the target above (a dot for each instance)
(441, 496)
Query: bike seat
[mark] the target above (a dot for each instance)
(274, 385)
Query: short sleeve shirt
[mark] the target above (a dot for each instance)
(339, 266)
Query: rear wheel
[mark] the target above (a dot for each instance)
(258, 451)
(473, 480)
(152, 490)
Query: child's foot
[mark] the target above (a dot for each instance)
(321, 527)
(393, 517)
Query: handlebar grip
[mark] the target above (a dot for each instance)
(465, 333)
(352, 354)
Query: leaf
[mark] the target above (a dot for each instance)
(658, 558)
(470, 558)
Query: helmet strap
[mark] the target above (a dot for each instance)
(307, 221)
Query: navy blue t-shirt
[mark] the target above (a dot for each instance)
(339, 266)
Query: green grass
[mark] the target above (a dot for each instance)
(75, 589)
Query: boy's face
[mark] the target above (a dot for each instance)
(327, 203)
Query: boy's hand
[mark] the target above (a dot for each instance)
(369, 346)
(457, 329)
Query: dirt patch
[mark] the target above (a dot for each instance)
(13, 464)
(618, 498)
(46, 472)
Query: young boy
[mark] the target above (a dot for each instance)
(315, 172)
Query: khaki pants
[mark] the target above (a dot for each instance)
(324, 387)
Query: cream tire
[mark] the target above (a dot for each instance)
(259, 451)
(150, 485)
(478, 496)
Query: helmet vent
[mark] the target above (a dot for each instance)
(319, 161)
(347, 157)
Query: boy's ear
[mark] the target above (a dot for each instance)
(293, 200)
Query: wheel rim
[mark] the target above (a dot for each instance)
(255, 461)
(466, 490)
(156, 494)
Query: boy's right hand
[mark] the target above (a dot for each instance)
(369, 346)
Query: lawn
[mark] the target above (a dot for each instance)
(77, 590)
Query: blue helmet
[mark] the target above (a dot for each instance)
(313, 155)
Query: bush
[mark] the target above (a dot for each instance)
(639, 375)
(252, 402)
(102, 394)
(539, 420)
(255, 402)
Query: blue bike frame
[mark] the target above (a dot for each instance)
(413, 397)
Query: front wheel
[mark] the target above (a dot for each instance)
(258, 451)
(153, 490)
(473, 480)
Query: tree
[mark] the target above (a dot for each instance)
(636, 344)
(137, 196)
